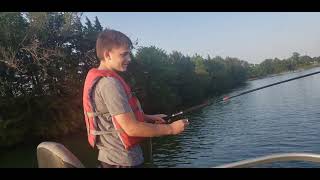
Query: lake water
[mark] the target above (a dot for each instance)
(280, 119)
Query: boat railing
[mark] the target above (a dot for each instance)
(307, 157)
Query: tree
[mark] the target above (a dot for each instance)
(97, 25)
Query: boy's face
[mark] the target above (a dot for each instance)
(119, 58)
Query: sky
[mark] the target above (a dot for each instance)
(249, 36)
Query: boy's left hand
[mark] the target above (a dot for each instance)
(158, 118)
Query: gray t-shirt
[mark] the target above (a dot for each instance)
(109, 96)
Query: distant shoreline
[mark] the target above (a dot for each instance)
(285, 72)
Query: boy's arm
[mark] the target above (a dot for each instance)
(133, 127)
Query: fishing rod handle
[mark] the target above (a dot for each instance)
(168, 119)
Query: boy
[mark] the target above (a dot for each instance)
(114, 118)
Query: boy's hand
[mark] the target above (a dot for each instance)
(179, 126)
(158, 118)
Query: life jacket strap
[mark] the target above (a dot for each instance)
(95, 114)
(98, 133)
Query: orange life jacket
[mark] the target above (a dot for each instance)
(90, 114)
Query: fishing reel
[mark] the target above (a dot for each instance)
(174, 117)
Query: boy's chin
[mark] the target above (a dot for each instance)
(122, 69)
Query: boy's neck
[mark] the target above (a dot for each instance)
(104, 66)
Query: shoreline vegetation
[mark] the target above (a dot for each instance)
(44, 58)
(286, 72)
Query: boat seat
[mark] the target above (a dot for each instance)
(55, 155)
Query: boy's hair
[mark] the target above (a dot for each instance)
(109, 39)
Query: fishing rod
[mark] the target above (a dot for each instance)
(169, 118)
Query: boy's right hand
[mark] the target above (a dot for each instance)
(179, 126)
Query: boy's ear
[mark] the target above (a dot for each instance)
(106, 55)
